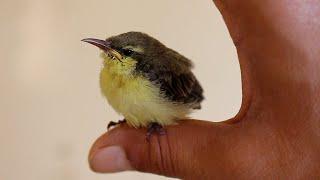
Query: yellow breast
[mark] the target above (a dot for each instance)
(137, 99)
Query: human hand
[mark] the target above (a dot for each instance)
(276, 133)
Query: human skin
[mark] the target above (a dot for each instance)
(275, 135)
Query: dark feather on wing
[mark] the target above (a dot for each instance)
(172, 72)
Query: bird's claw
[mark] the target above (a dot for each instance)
(154, 128)
(112, 123)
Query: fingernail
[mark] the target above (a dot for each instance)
(110, 159)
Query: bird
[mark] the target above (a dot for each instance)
(150, 84)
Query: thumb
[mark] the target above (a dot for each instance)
(182, 152)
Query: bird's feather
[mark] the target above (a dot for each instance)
(172, 72)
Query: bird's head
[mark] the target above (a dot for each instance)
(128, 52)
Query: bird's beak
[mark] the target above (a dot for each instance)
(105, 46)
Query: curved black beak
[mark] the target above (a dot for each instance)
(105, 46)
(102, 44)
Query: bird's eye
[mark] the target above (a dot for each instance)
(127, 52)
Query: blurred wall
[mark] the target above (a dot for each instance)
(51, 109)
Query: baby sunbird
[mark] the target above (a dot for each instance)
(148, 83)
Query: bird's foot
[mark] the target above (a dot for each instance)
(112, 123)
(154, 128)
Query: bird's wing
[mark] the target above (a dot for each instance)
(177, 82)
(181, 87)
(172, 73)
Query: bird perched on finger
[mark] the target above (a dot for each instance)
(148, 83)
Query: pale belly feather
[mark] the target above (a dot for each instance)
(139, 101)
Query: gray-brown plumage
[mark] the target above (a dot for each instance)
(163, 66)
